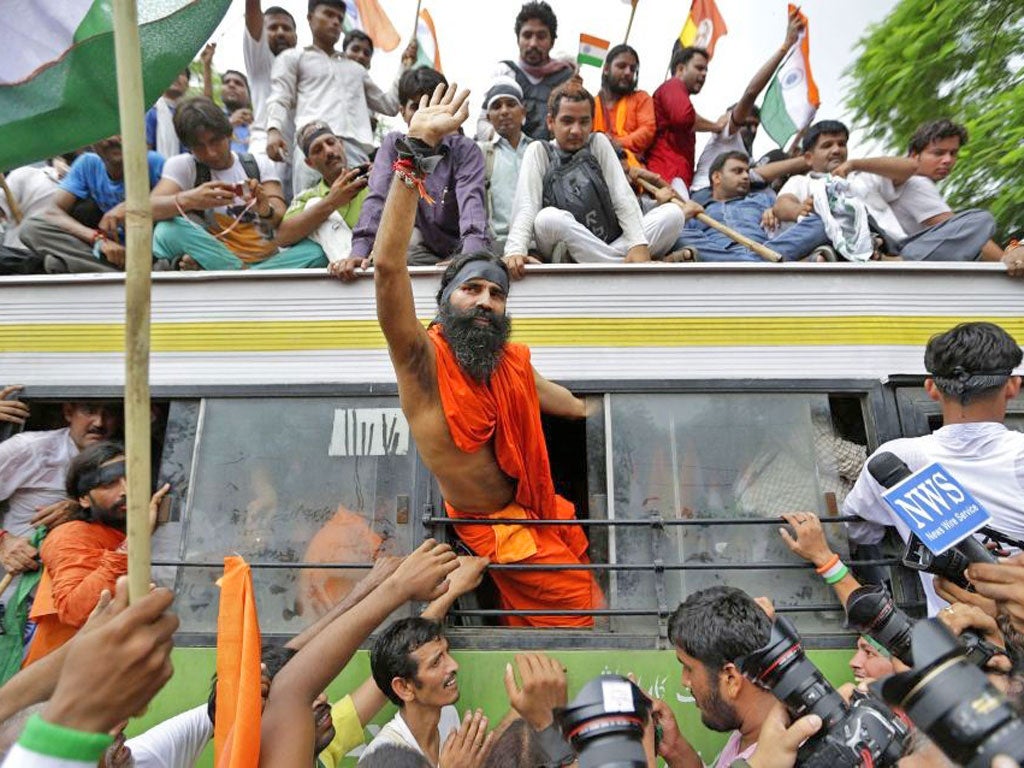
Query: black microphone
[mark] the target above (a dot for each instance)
(888, 469)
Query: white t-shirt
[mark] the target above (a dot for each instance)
(33, 466)
(174, 743)
(259, 63)
(181, 169)
(720, 142)
(986, 458)
(919, 200)
(396, 732)
(877, 192)
(32, 188)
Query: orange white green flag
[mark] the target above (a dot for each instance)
(428, 54)
(703, 26)
(592, 50)
(791, 100)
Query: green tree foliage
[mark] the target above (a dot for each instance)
(961, 60)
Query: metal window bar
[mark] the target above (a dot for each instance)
(450, 521)
(656, 566)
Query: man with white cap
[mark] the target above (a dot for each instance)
(503, 154)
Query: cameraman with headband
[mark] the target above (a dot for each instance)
(971, 376)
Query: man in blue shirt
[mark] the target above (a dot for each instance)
(749, 214)
(83, 229)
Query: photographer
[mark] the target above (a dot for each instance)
(710, 630)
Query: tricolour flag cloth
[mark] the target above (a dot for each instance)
(428, 54)
(592, 50)
(791, 100)
(368, 16)
(236, 736)
(703, 26)
(58, 81)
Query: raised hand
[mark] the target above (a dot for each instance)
(423, 574)
(468, 746)
(442, 114)
(543, 686)
(14, 411)
(810, 542)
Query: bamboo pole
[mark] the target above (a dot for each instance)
(12, 204)
(763, 251)
(416, 21)
(632, 13)
(139, 238)
(5, 582)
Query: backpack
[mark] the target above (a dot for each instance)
(575, 183)
(535, 98)
(252, 170)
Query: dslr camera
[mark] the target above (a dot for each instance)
(863, 731)
(605, 723)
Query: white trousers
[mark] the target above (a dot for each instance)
(661, 227)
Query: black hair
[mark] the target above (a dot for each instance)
(682, 57)
(570, 91)
(90, 460)
(822, 128)
(540, 11)
(356, 34)
(462, 260)
(971, 361)
(935, 130)
(339, 4)
(720, 160)
(614, 52)
(518, 745)
(277, 10)
(273, 657)
(394, 756)
(236, 72)
(717, 625)
(391, 655)
(196, 114)
(418, 82)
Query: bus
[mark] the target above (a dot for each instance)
(723, 395)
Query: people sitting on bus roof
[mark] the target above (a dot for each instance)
(82, 230)
(451, 216)
(536, 72)
(503, 155)
(621, 111)
(751, 214)
(25, 192)
(574, 200)
(216, 209)
(899, 194)
(743, 118)
(326, 213)
(86, 555)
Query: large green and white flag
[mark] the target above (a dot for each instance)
(792, 99)
(58, 81)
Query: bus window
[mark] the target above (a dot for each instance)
(719, 469)
(290, 480)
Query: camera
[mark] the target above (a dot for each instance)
(605, 723)
(952, 701)
(870, 610)
(862, 732)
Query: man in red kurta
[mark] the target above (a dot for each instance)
(473, 401)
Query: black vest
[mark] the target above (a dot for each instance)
(535, 99)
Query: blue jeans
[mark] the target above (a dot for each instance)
(793, 244)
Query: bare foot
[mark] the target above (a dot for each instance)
(188, 264)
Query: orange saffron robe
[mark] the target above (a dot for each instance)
(79, 563)
(506, 411)
(631, 123)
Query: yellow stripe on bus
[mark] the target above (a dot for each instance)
(300, 335)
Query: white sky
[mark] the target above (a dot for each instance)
(474, 35)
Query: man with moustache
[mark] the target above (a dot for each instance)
(621, 111)
(267, 34)
(83, 228)
(473, 400)
(83, 557)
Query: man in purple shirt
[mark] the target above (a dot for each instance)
(456, 221)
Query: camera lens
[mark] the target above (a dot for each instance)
(870, 610)
(605, 723)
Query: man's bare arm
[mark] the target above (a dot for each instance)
(556, 400)
(59, 213)
(745, 105)
(254, 19)
(788, 208)
(769, 172)
(896, 169)
(703, 125)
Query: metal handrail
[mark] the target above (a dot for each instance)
(701, 521)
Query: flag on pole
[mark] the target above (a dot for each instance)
(58, 82)
(239, 705)
(703, 26)
(427, 52)
(368, 16)
(791, 100)
(592, 50)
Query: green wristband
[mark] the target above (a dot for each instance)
(66, 743)
(841, 574)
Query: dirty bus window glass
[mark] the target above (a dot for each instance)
(291, 480)
(723, 457)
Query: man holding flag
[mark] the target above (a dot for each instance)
(791, 101)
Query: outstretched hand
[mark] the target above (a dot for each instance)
(442, 114)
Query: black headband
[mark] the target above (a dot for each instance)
(487, 270)
(104, 475)
(308, 139)
(962, 374)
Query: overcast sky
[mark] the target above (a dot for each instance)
(474, 36)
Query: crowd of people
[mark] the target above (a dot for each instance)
(285, 169)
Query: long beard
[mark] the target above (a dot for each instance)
(477, 348)
(113, 516)
(617, 88)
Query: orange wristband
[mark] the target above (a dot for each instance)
(831, 561)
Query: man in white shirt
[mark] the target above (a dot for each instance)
(412, 666)
(321, 83)
(267, 34)
(503, 154)
(573, 190)
(971, 376)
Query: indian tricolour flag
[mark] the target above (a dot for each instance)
(58, 82)
(592, 50)
(427, 52)
(791, 100)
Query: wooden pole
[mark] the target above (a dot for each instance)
(763, 251)
(416, 21)
(5, 582)
(139, 238)
(632, 13)
(12, 204)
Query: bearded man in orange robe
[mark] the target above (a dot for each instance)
(473, 400)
